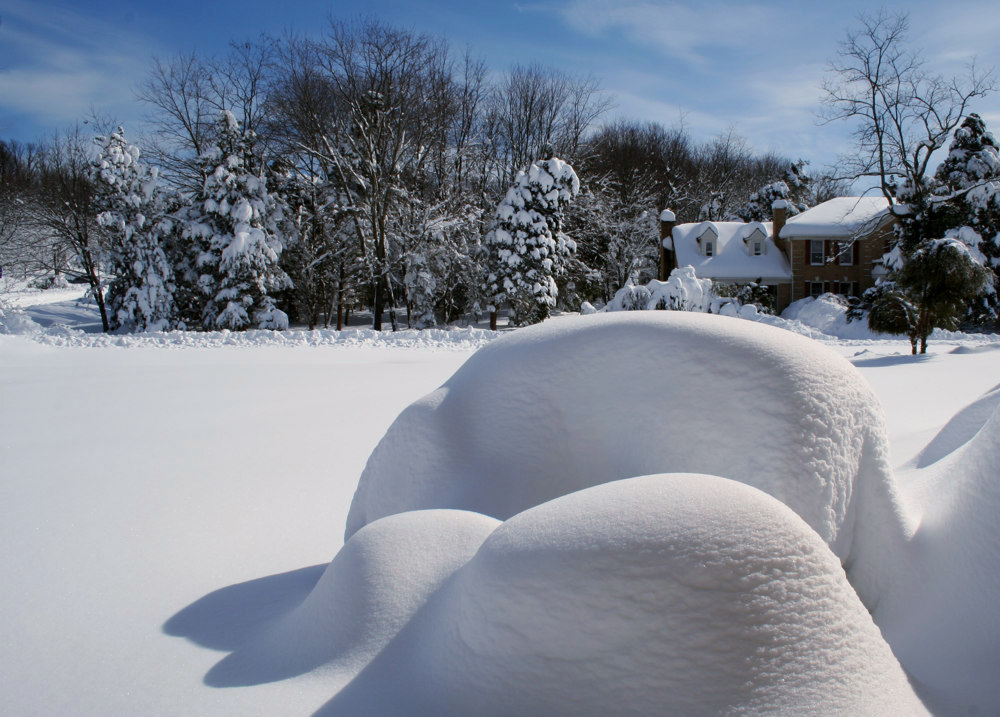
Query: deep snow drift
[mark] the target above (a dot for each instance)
(555, 408)
(537, 419)
(669, 594)
(940, 613)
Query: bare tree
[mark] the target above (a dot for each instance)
(902, 111)
(63, 211)
(179, 91)
(18, 175)
(379, 133)
(535, 106)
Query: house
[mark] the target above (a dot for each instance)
(831, 247)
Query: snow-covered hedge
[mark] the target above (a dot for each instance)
(682, 291)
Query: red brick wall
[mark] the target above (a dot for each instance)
(865, 252)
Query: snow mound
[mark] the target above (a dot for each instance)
(827, 314)
(940, 613)
(15, 321)
(562, 406)
(963, 426)
(666, 594)
(374, 585)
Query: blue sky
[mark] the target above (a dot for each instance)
(752, 67)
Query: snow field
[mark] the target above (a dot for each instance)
(149, 495)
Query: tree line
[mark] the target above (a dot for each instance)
(304, 180)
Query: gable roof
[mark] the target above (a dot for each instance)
(731, 259)
(839, 217)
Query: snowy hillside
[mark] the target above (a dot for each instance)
(169, 518)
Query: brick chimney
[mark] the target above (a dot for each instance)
(780, 209)
(668, 260)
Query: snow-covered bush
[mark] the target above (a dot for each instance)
(682, 291)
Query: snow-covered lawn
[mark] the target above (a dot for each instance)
(164, 499)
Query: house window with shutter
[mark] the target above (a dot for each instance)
(845, 253)
(815, 289)
(816, 254)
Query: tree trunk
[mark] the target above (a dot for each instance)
(377, 306)
(493, 320)
(392, 303)
(340, 299)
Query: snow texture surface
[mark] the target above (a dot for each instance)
(838, 217)
(666, 594)
(537, 414)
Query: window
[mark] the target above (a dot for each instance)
(815, 289)
(816, 254)
(753, 237)
(845, 253)
(706, 238)
(848, 288)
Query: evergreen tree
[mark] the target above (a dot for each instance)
(972, 157)
(233, 244)
(930, 291)
(527, 248)
(793, 189)
(140, 296)
(971, 176)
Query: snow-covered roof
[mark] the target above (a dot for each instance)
(667, 216)
(839, 217)
(732, 259)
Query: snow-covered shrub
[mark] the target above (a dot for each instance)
(682, 291)
(632, 297)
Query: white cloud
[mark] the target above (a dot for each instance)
(696, 34)
(58, 65)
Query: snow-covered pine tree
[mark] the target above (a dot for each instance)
(140, 296)
(931, 290)
(971, 172)
(793, 188)
(969, 184)
(972, 157)
(527, 248)
(231, 225)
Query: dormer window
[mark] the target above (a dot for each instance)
(754, 239)
(707, 239)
